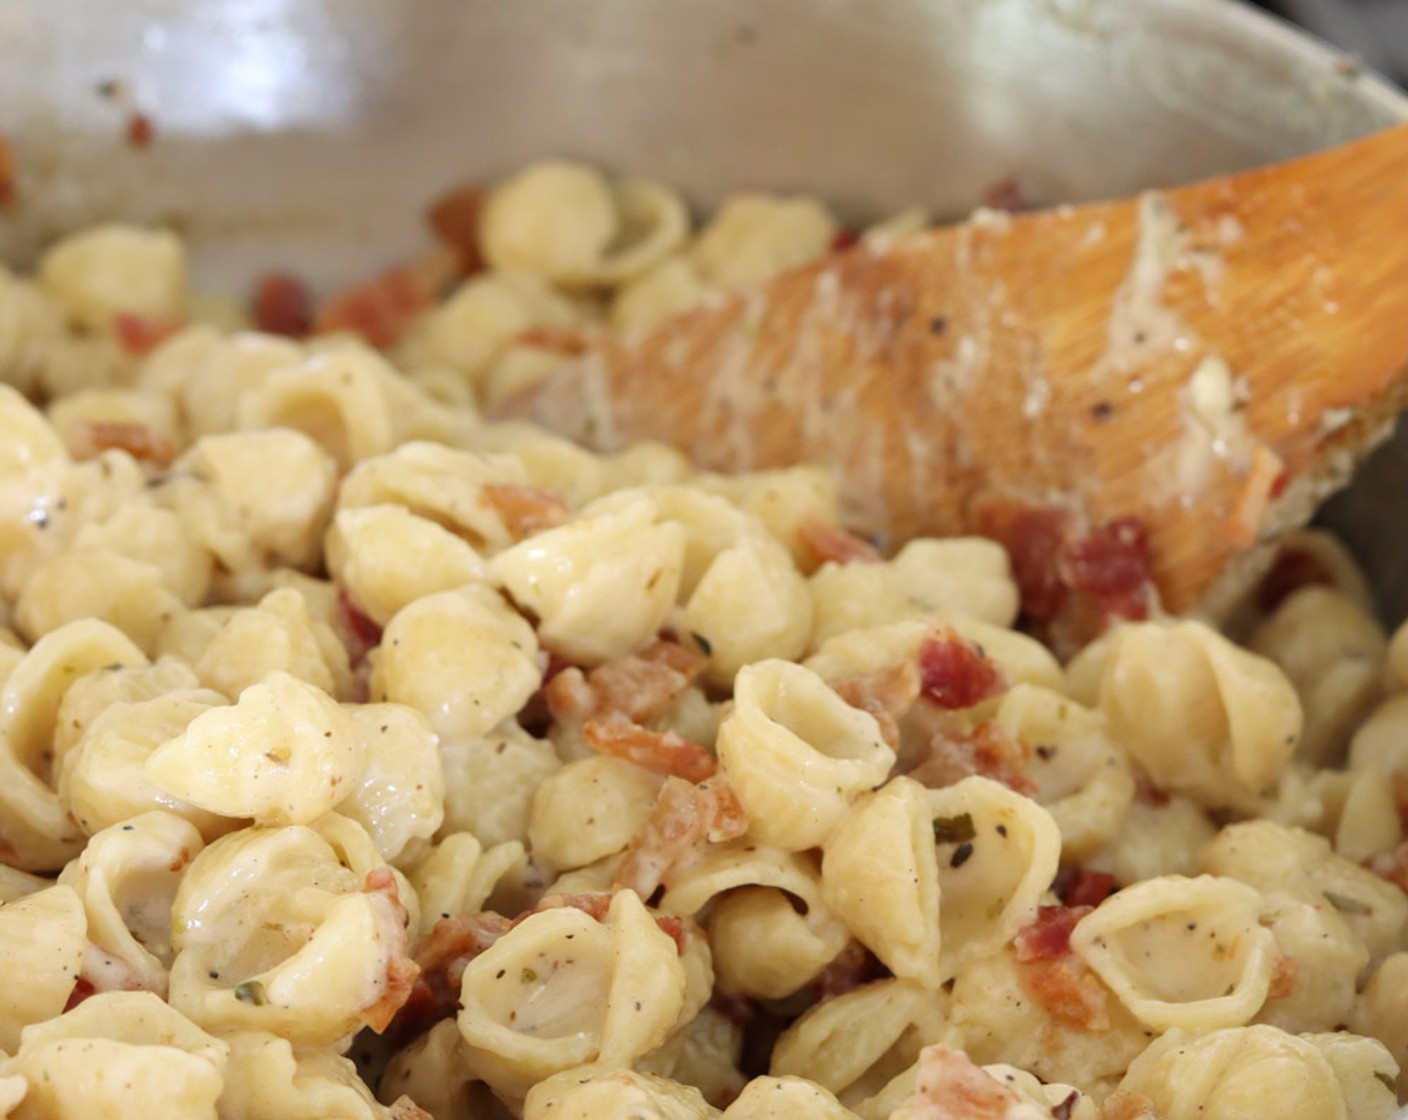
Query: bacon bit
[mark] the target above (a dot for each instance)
(1292, 570)
(140, 130)
(454, 219)
(844, 239)
(525, 510)
(956, 674)
(1391, 864)
(1007, 194)
(887, 694)
(564, 340)
(660, 752)
(90, 439)
(1063, 1109)
(442, 955)
(986, 750)
(1069, 991)
(360, 634)
(1033, 537)
(82, 989)
(1400, 797)
(1087, 888)
(401, 970)
(738, 1010)
(180, 860)
(1283, 977)
(684, 819)
(282, 305)
(1124, 1104)
(1048, 936)
(1244, 522)
(640, 686)
(852, 967)
(597, 905)
(827, 543)
(949, 1086)
(673, 926)
(7, 173)
(382, 308)
(141, 334)
(1112, 565)
(1147, 793)
(403, 1108)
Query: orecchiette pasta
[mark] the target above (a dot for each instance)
(598, 786)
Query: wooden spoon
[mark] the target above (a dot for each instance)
(1210, 360)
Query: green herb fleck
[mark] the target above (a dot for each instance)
(954, 830)
(703, 643)
(252, 992)
(528, 976)
(1388, 1082)
(1346, 905)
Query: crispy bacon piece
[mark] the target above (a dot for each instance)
(140, 130)
(146, 445)
(1048, 936)
(282, 305)
(526, 510)
(1292, 570)
(1081, 887)
(1283, 976)
(403, 1108)
(852, 967)
(597, 905)
(565, 340)
(7, 173)
(1056, 980)
(82, 989)
(1400, 796)
(401, 970)
(845, 238)
(825, 543)
(987, 750)
(949, 1086)
(454, 219)
(685, 818)
(359, 633)
(956, 674)
(1110, 564)
(382, 308)
(1123, 1104)
(1007, 194)
(640, 686)
(887, 694)
(442, 955)
(141, 334)
(660, 752)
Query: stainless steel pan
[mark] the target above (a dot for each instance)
(311, 132)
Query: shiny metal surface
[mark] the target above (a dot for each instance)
(311, 132)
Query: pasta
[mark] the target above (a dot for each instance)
(361, 757)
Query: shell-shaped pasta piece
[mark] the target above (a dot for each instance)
(15, 883)
(127, 878)
(784, 500)
(1156, 838)
(207, 373)
(154, 536)
(311, 952)
(39, 832)
(277, 635)
(1325, 959)
(91, 695)
(1201, 716)
(30, 325)
(997, 1019)
(704, 1053)
(74, 415)
(128, 594)
(1380, 743)
(1379, 1012)
(1237, 1073)
(1369, 820)
(254, 499)
(442, 484)
(880, 874)
(1333, 651)
(458, 875)
(1396, 670)
(840, 1041)
(103, 778)
(1181, 952)
(1081, 775)
(399, 798)
(589, 809)
(959, 575)
(672, 286)
(268, 1079)
(780, 1098)
(124, 1055)
(754, 236)
(850, 597)
(42, 938)
(491, 780)
(1272, 858)
(764, 949)
(997, 853)
(110, 270)
(564, 221)
(431, 1072)
(561, 989)
(387, 557)
(600, 586)
(285, 753)
(1365, 1070)
(605, 1091)
(796, 754)
(465, 658)
(33, 466)
(552, 463)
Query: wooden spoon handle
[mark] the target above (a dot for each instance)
(1199, 359)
